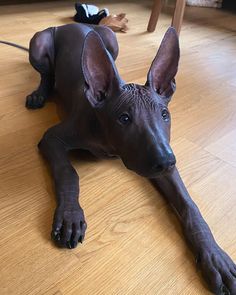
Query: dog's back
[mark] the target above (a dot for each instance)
(69, 42)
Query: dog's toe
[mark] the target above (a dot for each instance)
(69, 227)
(218, 270)
(35, 100)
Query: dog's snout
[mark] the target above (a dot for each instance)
(164, 165)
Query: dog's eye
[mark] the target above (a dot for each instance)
(124, 119)
(165, 115)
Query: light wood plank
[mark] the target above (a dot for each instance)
(134, 244)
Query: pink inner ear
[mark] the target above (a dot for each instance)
(98, 77)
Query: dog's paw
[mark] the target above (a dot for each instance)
(219, 270)
(69, 227)
(35, 100)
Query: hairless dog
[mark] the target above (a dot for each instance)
(108, 117)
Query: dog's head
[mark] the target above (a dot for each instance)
(135, 118)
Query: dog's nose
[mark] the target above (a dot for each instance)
(164, 165)
(172, 165)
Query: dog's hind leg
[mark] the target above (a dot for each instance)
(41, 57)
(109, 40)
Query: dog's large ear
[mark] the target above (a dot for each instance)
(165, 65)
(100, 74)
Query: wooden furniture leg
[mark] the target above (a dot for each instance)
(156, 8)
(178, 15)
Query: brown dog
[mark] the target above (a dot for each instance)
(108, 117)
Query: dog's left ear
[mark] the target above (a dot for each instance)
(165, 65)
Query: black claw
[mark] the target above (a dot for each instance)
(224, 290)
(73, 244)
(58, 237)
(68, 245)
(81, 238)
(55, 236)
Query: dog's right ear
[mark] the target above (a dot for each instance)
(99, 70)
(165, 65)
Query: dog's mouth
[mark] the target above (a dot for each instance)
(152, 167)
(153, 174)
(162, 172)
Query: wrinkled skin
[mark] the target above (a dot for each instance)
(110, 118)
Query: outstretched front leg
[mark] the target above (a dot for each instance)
(217, 267)
(69, 224)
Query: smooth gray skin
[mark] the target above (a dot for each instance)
(111, 118)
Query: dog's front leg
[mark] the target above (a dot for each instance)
(217, 267)
(69, 223)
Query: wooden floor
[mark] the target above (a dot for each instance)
(134, 244)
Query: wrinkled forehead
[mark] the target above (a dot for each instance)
(137, 96)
